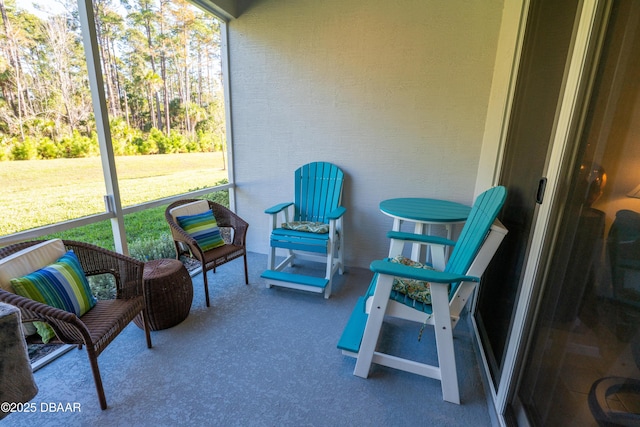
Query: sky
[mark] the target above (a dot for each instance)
(40, 8)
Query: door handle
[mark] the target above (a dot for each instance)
(542, 185)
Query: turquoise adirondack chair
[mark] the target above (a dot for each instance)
(315, 232)
(400, 290)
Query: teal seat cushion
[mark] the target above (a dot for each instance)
(308, 226)
(62, 285)
(203, 227)
(417, 290)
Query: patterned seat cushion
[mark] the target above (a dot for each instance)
(308, 226)
(415, 289)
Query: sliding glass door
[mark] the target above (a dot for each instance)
(542, 71)
(583, 363)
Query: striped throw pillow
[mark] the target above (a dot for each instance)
(62, 285)
(203, 228)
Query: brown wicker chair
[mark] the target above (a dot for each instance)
(233, 230)
(100, 325)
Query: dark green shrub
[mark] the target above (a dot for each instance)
(47, 149)
(157, 138)
(25, 150)
(77, 145)
(143, 145)
(175, 143)
(221, 197)
(146, 249)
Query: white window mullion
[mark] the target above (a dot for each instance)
(96, 83)
(226, 85)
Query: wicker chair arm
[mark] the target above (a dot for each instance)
(178, 233)
(67, 326)
(127, 271)
(227, 218)
(100, 325)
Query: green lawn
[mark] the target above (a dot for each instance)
(43, 192)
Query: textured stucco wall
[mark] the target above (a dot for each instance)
(395, 93)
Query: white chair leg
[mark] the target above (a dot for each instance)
(271, 258)
(340, 257)
(327, 290)
(329, 270)
(438, 259)
(374, 323)
(395, 248)
(340, 248)
(444, 342)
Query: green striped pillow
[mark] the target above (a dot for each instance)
(62, 285)
(204, 228)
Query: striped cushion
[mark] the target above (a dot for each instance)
(24, 262)
(204, 228)
(62, 285)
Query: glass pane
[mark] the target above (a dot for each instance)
(145, 178)
(162, 72)
(584, 364)
(49, 169)
(148, 234)
(545, 48)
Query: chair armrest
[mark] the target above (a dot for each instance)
(401, 270)
(179, 235)
(67, 326)
(227, 218)
(95, 260)
(277, 208)
(420, 238)
(337, 213)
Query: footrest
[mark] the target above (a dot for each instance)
(353, 332)
(316, 284)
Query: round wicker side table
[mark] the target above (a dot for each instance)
(168, 293)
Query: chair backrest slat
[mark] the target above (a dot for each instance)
(318, 191)
(482, 215)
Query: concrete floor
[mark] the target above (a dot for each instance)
(256, 357)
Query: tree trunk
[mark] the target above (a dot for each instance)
(163, 68)
(14, 61)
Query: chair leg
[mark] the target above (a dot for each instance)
(443, 329)
(329, 275)
(206, 285)
(93, 360)
(246, 270)
(340, 250)
(147, 330)
(271, 258)
(374, 323)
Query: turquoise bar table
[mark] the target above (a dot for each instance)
(423, 211)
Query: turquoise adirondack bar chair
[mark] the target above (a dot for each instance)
(404, 289)
(315, 232)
